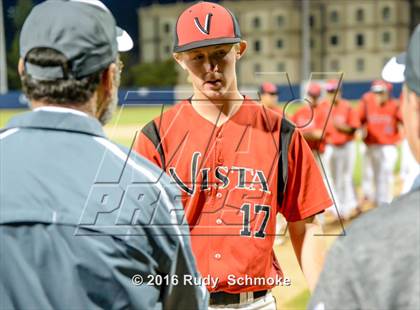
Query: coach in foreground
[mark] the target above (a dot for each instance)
(76, 224)
(377, 265)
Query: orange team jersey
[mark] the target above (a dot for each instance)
(277, 109)
(380, 121)
(228, 179)
(341, 113)
(308, 119)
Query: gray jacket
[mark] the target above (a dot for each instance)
(81, 216)
(377, 264)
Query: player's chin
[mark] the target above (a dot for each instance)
(214, 94)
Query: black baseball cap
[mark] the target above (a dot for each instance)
(205, 24)
(83, 30)
(406, 66)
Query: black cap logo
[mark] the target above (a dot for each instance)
(206, 29)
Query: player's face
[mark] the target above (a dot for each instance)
(313, 101)
(333, 94)
(381, 97)
(212, 69)
(269, 99)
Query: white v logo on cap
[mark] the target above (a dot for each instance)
(206, 29)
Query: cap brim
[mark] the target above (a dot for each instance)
(125, 43)
(378, 89)
(205, 43)
(393, 71)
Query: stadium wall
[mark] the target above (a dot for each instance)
(351, 91)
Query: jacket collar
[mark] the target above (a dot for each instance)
(58, 119)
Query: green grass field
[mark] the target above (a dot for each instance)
(132, 118)
(129, 119)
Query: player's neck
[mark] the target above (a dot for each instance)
(217, 111)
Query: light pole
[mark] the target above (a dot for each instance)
(306, 48)
(3, 63)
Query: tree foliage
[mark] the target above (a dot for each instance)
(161, 74)
(18, 14)
(158, 74)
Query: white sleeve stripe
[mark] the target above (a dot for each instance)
(8, 133)
(148, 174)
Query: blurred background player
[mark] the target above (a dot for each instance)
(340, 149)
(376, 266)
(269, 96)
(380, 119)
(311, 120)
(409, 168)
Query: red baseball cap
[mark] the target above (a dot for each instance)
(314, 90)
(205, 24)
(379, 86)
(332, 85)
(268, 88)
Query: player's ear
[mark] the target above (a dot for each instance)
(240, 50)
(179, 60)
(21, 67)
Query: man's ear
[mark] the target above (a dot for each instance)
(21, 67)
(108, 78)
(105, 89)
(241, 50)
(178, 59)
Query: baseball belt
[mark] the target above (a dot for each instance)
(222, 298)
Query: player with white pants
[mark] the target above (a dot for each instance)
(410, 169)
(379, 115)
(340, 161)
(383, 159)
(340, 150)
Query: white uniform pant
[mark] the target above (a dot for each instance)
(382, 159)
(410, 169)
(367, 174)
(339, 165)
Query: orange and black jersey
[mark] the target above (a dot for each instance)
(232, 184)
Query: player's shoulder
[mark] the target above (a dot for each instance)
(259, 109)
(304, 109)
(169, 116)
(394, 103)
(367, 97)
(324, 103)
(346, 102)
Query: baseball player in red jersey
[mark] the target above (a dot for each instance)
(380, 118)
(269, 96)
(221, 148)
(340, 150)
(311, 119)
